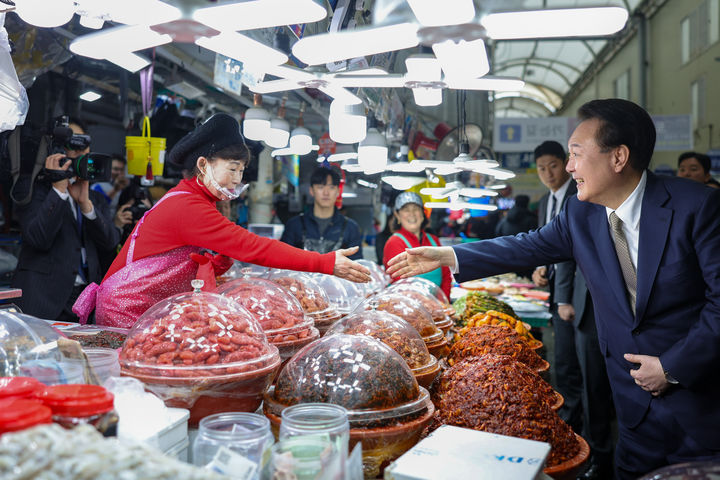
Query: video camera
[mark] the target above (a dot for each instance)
(138, 208)
(91, 166)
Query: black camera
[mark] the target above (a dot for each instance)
(91, 166)
(138, 208)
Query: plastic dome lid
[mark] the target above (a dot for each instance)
(196, 335)
(312, 299)
(275, 308)
(377, 273)
(407, 309)
(424, 297)
(25, 341)
(393, 331)
(19, 387)
(428, 286)
(356, 372)
(342, 294)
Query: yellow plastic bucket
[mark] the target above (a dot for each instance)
(145, 150)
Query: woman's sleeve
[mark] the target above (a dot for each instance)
(393, 246)
(446, 281)
(204, 226)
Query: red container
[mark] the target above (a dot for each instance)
(75, 404)
(20, 387)
(21, 413)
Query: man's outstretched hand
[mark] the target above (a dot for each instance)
(416, 261)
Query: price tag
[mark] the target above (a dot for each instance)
(232, 464)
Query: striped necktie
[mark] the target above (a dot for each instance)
(623, 253)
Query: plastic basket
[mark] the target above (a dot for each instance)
(145, 150)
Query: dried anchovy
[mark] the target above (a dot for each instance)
(49, 452)
(482, 393)
(494, 339)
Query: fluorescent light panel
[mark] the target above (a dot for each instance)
(90, 96)
(142, 12)
(116, 41)
(260, 14)
(461, 206)
(486, 83)
(243, 48)
(128, 60)
(434, 13)
(331, 47)
(570, 22)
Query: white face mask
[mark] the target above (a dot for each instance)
(227, 193)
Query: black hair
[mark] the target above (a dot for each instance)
(118, 157)
(622, 123)
(550, 147)
(237, 152)
(320, 174)
(702, 159)
(522, 201)
(79, 123)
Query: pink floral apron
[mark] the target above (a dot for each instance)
(128, 293)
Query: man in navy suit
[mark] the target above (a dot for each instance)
(648, 248)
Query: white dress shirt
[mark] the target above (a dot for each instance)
(559, 194)
(91, 215)
(629, 212)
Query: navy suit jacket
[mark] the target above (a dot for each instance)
(678, 293)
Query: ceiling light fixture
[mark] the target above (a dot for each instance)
(256, 124)
(90, 96)
(331, 47)
(279, 132)
(347, 123)
(432, 13)
(570, 22)
(117, 41)
(401, 182)
(342, 152)
(142, 12)
(45, 13)
(461, 206)
(260, 14)
(373, 151)
(462, 59)
(365, 183)
(300, 139)
(243, 48)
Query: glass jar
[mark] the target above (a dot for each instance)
(76, 404)
(318, 422)
(245, 434)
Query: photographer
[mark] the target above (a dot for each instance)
(134, 202)
(63, 228)
(118, 182)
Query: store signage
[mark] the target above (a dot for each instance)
(674, 133)
(326, 144)
(231, 74)
(524, 134)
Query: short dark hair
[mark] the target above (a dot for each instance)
(118, 157)
(550, 147)
(79, 123)
(320, 174)
(237, 152)
(702, 159)
(622, 123)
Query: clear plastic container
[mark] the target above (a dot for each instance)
(312, 298)
(420, 293)
(387, 410)
(397, 334)
(203, 352)
(343, 295)
(318, 421)
(407, 309)
(104, 362)
(428, 286)
(245, 434)
(27, 342)
(74, 405)
(379, 279)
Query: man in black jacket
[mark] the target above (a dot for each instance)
(323, 229)
(63, 227)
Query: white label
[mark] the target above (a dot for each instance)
(233, 464)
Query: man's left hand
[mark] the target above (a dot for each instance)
(80, 192)
(650, 376)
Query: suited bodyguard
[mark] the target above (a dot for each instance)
(63, 228)
(550, 161)
(647, 246)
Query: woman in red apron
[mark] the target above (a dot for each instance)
(410, 216)
(161, 256)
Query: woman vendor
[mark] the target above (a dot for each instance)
(161, 256)
(411, 218)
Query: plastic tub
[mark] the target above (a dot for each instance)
(387, 410)
(104, 362)
(203, 352)
(343, 295)
(21, 413)
(397, 334)
(410, 311)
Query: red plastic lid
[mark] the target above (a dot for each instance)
(21, 413)
(20, 387)
(77, 400)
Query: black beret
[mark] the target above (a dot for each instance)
(218, 132)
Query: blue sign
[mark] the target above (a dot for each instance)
(511, 133)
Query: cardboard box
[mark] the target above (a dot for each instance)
(454, 452)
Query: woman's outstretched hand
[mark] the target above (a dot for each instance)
(348, 269)
(416, 261)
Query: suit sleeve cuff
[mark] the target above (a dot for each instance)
(455, 269)
(91, 215)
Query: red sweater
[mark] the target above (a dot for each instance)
(395, 246)
(192, 219)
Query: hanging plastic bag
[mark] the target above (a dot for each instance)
(14, 102)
